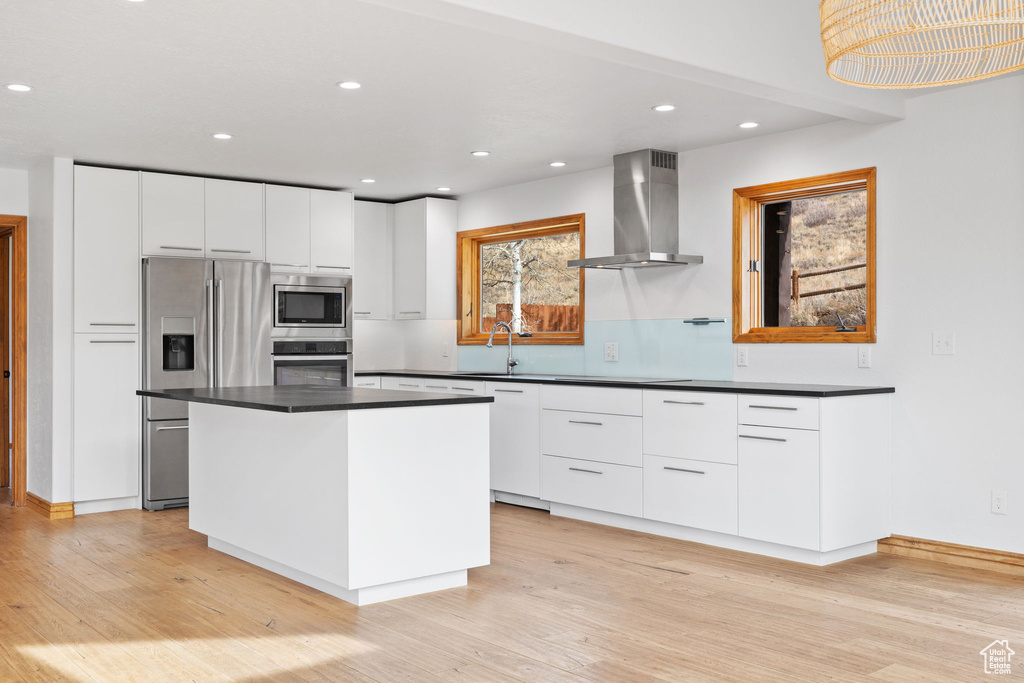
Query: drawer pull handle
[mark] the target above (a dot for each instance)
(164, 246)
(111, 341)
(509, 391)
(414, 386)
(112, 324)
(462, 388)
(584, 422)
(366, 384)
(168, 429)
(337, 267)
(232, 251)
(435, 386)
(762, 438)
(774, 407)
(410, 313)
(680, 469)
(291, 265)
(685, 403)
(362, 312)
(580, 469)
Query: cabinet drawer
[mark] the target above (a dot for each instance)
(690, 492)
(779, 411)
(599, 486)
(466, 388)
(593, 400)
(592, 436)
(367, 382)
(686, 424)
(778, 486)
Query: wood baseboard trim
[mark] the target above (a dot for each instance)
(952, 553)
(51, 510)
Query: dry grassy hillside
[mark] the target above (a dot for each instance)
(829, 232)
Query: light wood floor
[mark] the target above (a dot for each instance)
(137, 596)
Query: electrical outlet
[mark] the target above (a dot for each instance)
(444, 350)
(998, 502)
(611, 351)
(863, 356)
(741, 357)
(943, 343)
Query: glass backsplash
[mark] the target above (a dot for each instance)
(647, 348)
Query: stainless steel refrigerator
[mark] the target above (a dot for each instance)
(206, 324)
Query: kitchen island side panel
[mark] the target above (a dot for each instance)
(419, 493)
(273, 484)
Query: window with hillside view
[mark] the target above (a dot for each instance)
(517, 274)
(804, 260)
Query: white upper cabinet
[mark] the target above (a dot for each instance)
(372, 266)
(106, 250)
(173, 215)
(234, 220)
(424, 272)
(287, 228)
(330, 232)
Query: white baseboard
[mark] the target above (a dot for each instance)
(107, 505)
(714, 538)
(517, 499)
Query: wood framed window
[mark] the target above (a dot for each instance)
(517, 274)
(804, 260)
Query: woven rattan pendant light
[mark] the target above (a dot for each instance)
(921, 43)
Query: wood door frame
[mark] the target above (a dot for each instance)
(16, 227)
(5, 345)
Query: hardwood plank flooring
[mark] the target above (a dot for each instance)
(136, 596)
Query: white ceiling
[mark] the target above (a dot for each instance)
(145, 84)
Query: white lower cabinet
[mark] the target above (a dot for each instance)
(592, 436)
(779, 488)
(690, 424)
(515, 438)
(107, 417)
(692, 493)
(595, 485)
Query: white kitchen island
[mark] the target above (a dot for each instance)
(365, 494)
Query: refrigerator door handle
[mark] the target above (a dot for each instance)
(211, 380)
(219, 364)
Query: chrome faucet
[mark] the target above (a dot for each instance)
(511, 362)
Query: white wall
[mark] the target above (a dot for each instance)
(13, 192)
(950, 236)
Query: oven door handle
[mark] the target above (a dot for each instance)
(284, 356)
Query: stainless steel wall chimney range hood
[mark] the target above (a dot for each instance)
(646, 211)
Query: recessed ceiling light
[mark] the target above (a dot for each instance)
(664, 107)
(223, 136)
(443, 189)
(369, 180)
(350, 85)
(557, 164)
(18, 87)
(749, 124)
(481, 153)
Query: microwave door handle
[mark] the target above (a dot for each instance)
(211, 363)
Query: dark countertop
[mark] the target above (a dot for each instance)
(770, 388)
(312, 399)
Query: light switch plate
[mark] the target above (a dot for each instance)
(863, 356)
(741, 357)
(943, 343)
(611, 351)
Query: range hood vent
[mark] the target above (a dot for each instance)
(646, 211)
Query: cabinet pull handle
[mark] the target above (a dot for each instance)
(762, 438)
(367, 384)
(362, 312)
(414, 386)
(584, 422)
(112, 324)
(462, 388)
(232, 251)
(168, 429)
(164, 246)
(680, 469)
(580, 469)
(291, 265)
(410, 313)
(111, 341)
(685, 403)
(337, 267)
(508, 391)
(434, 386)
(773, 407)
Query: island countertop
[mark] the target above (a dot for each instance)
(311, 399)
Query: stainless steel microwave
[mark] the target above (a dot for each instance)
(312, 306)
